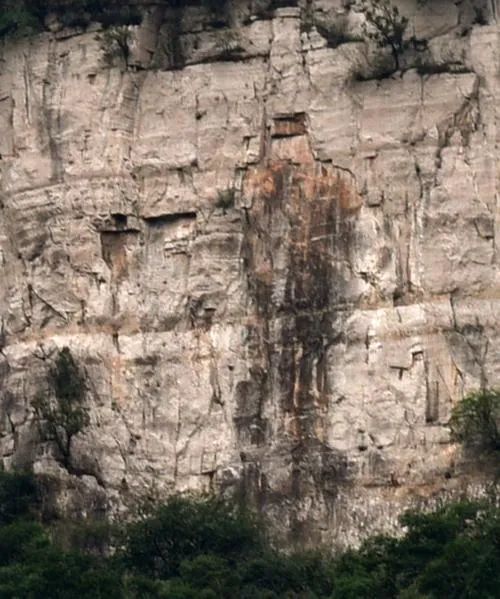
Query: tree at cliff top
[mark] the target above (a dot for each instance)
(25, 17)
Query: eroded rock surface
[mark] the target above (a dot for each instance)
(275, 260)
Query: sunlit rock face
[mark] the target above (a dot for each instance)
(273, 258)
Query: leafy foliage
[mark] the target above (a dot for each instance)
(60, 412)
(443, 553)
(18, 496)
(31, 564)
(183, 529)
(226, 199)
(385, 25)
(115, 42)
(18, 18)
(204, 547)
(475, 420)
(25, 17)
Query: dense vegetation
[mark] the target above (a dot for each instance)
(204, 548)
(24, 17)
(475, 420)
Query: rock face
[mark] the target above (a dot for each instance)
(274, 259)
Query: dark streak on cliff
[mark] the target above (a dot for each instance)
(300, 220)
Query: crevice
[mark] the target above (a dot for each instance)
(32, 293)
(163, 220)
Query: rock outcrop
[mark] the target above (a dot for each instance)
(274, 259)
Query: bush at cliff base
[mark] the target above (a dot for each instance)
(209, 548)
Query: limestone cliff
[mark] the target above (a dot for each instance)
(274, 257)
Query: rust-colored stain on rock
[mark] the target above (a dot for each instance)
(312, 182)
(298, 229)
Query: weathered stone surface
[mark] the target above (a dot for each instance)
(277, 277)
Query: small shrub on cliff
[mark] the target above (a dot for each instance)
(475, 420)
(60, 411)
(226, 199)
(115, 43)
(385, 26)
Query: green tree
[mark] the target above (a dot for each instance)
(475, 420)
(467, 564)
(31, 564)
(207, 548)
(211, 573)
(452, 551)
(185, 528)
(18, 496)
(60, 412)
(38, 569)
(115, 42)
(385, 26)
(18, 18)
(25, 17)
